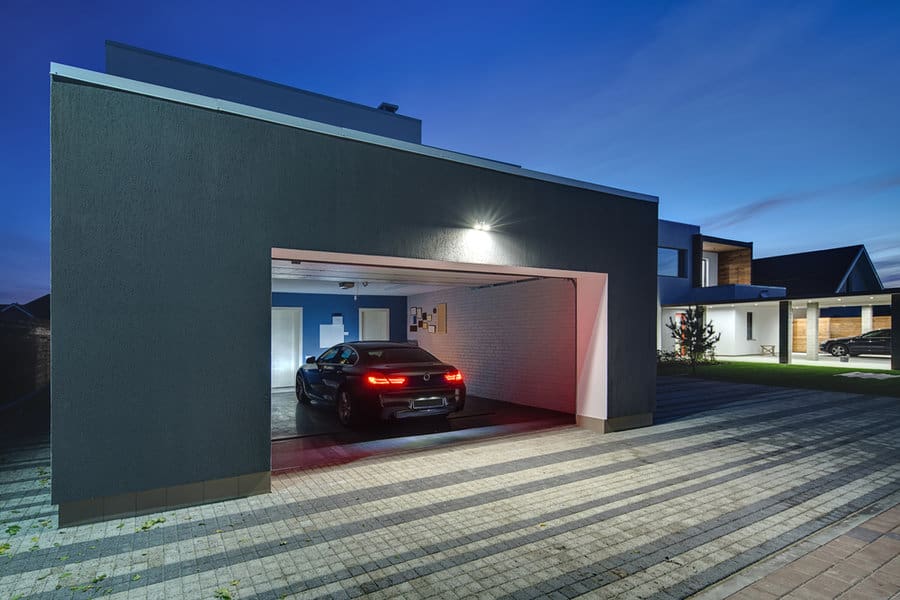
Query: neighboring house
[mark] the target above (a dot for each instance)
(15, 312)
(695, 269)
(39, 308)
(821, 272)
(24, 350)
(766, 306)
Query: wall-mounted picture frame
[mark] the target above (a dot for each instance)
(421, 323)
(412, 310)
(413, 328)
(441, 317)
(432, 329)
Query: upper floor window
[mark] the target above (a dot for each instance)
(670, 262)
(704, 272)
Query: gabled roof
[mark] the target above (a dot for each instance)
(40, 307)
(819, 273)
(15, 311)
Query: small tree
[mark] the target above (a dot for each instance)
(693, 337)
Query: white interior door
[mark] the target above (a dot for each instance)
(374, 324)
(287, 345)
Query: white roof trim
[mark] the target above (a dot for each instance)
(156, 91)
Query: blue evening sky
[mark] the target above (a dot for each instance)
(777, 123)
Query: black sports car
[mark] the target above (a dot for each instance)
(381, 380)
(873, 342)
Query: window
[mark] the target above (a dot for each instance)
(670, 262)
(399, 355)
(704, 272)
(749, 325)
(878, 333)
(329, 355)
(348, 356)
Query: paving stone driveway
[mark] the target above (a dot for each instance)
(733, 474)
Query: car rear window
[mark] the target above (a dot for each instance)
(398, 355)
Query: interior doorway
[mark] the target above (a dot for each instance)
(374, 324)
(287, 345)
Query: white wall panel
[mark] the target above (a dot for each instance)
(514, 343)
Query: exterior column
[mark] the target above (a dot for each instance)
(785, 331)
(895, 332)
(812, 331)
(867, 319)
(659, 324)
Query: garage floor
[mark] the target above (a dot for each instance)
(741, 472)
(291, 419)
(309, 435)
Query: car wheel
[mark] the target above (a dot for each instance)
(346, 409)
(300, 391)
(839, 350)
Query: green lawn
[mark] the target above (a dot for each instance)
(798, 376)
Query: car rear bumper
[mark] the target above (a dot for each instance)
(427, 403)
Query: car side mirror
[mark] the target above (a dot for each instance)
(310, 360)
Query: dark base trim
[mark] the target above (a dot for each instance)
(106, 508)
(614, 424)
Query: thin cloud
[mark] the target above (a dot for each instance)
(889, 270)
(854, 189)
(885, 254)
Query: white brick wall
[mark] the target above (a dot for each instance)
(514, 343)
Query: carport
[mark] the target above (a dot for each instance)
(168, 209)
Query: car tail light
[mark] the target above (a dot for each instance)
(376, 379)
(455, 376)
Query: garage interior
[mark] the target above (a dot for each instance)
(512, 336)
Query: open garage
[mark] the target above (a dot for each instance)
(510, 336)
(171, 212)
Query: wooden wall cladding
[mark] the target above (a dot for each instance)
(734, 267)
(835, 327)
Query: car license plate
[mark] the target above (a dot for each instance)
(428, 403)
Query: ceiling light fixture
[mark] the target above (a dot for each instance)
(346, 285)
(482, 226)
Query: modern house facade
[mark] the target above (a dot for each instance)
(178, 190)
(777, 305)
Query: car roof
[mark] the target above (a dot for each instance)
(377, 345)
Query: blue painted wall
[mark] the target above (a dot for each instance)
(318, 308)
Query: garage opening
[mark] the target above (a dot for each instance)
(511, 337)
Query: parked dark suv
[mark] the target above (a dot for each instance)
(873, 342)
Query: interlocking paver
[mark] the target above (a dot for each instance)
(659, 512)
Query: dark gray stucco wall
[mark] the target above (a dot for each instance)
(162, 223)
(895, 332)
(168, 71)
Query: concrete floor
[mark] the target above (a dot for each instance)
(292, 419)
(734, 474)
(310, 435)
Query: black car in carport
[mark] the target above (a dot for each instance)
(381, 381)
(873, 342)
